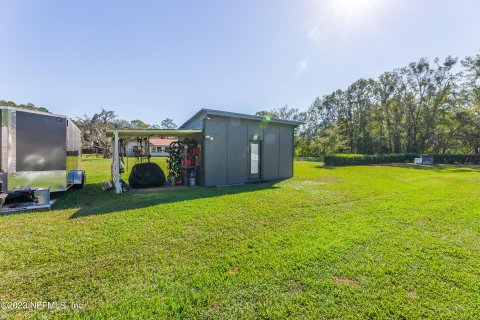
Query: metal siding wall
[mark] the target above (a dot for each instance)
(254, 128)
(74, 146)
(3, 176)
(1, 138)
(41, 142)
(271, 150)
(227, 154)
(286, 152)
(215, 162)
(237, 151)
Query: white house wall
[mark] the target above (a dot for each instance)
(131, 144)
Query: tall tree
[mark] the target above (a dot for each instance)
(388, 90)
(168, 124)
(425, 107)
(472, 77)
(139, 124)
(94, 130)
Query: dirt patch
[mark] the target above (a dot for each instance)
(295, 287)
(214, 307)
(345, 281)
(190, 228)
(477, 240)
(80, 221)
(233, 271)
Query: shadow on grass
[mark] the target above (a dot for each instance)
(93, 201)
(328, 167)
(310, 159)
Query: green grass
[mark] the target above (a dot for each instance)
(389, 241)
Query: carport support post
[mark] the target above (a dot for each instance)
(116, 165)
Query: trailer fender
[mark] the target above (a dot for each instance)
(76, 178)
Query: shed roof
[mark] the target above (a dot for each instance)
(205, 112)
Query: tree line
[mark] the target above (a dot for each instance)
(94, 129)
(424, 107)
(28, 106)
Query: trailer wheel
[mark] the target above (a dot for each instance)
(84, 181)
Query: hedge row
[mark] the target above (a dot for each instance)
(457, 158)
(354, 159)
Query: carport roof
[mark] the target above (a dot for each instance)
(151, 132)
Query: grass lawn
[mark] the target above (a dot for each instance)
(391, 241)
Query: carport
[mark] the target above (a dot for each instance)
(117, 134)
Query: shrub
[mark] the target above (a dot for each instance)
(355, 159)
(457, 158)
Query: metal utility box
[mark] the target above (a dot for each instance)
(424, 160)
(38, 151)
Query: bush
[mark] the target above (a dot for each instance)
(457, 158)
(355, 159)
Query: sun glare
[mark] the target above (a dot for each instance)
(355, 9)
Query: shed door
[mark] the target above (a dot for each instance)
(255, 160)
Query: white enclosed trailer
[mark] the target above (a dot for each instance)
(38, 151)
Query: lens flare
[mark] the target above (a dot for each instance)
(355, 9)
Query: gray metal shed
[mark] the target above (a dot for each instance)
(236, 148)
(239, 148)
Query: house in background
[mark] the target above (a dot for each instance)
(158, 146)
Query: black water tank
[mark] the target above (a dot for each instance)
(146, 175)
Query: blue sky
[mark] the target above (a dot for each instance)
(155, 59)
